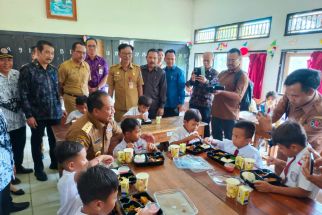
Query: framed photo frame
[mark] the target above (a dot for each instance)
(61, 9)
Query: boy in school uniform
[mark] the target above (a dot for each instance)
(188, 133)
(141, 111)
(72, 157)
(81, 109)
(292, 141)
(97, 188)
(131, 129)
(240, 144)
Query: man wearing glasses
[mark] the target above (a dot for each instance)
(126, 79)
(225, 106)
(74, 75)
(98, 65)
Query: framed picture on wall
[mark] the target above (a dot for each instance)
(61, 9)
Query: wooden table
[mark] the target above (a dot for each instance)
(163, 131)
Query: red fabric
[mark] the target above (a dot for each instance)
(256, 72)
(315, 62)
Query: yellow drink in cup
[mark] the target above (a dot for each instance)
(183, 147)
(142, 180)
(239, 162)
(175, 149)
(232, 187)
(243, 194)
(249, 163)
(121, 156)
(158, 119)
(128, 155)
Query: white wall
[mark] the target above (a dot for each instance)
(209, 13)
(146, 19)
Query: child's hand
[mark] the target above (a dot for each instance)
(194, 135)
(151, 147)
(209, 141)
(271, 160)
(130, 145)
(106, 159)
(149, 138)
(263, 186)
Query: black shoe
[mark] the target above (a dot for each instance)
(15, 207)
(41, 176)
(18, 192)
(23, 170)
(53, 166)
(15, 181)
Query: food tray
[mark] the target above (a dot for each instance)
(129, 175)
(197, 148)
(263, 175)
(217, 155)
(157, 156)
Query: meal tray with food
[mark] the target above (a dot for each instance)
(251, 176)
(221, 157)
(197, 148)
(130, 204)
(148, 159)
(130, 175)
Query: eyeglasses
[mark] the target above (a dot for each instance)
(91, 46)
(126, 54)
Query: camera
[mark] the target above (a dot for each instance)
(213, 88)
(197, 71)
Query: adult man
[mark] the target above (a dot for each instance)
(126, 79)
(10, 105)
(38, 87)
(155, 84)
(74, 75)
(225, 108)
(175, 85)
(201, 98)
(95, 129)
(161, 58)
(98, 66)
(301, 103)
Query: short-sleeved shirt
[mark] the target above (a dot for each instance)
(139, 147)
(94, 135)
(67, 189)
(295, 177)
(225, 104)
(73, 115)
(309, 116)
(75, 207)
(247, 151)
(134, 111)
(125, 84)
(99, 69)
(10, 101)
(74, 78)
(179, 134)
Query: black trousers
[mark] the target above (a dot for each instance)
(5, 201)
(36, 140)
(18, 141)
(205, 114)
(222, 128)
(169, 112)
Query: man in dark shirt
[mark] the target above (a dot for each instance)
(201, 98)
(155, 84)
(38, 88)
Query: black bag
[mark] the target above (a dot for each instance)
(247, 98)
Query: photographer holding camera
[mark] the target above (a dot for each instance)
(202, 80)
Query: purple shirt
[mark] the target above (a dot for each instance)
(99, 69)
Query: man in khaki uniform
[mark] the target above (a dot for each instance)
(301, 103)
(74, 75)
(96, 128)
(126, 79)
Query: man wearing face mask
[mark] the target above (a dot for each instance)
(74, 75)
(201, 98)
(155, 84)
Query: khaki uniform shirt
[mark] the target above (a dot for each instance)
(74, 78)
(309, 116)
(94, 135)
(125, 84)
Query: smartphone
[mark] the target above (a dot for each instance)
(311, 164)
(197, 71)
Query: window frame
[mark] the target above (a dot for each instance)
(202, 29)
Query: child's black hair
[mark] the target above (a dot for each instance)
(129, 124)
(81, 100)
(192, 114)
(144, 100)
(97, 183)
(247, 126)
(67, 150)
(290, 132)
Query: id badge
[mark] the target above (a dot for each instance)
(131, 84)
(100, 71)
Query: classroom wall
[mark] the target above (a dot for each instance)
(207, 13)
(144, 19)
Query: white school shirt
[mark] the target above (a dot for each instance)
(73, 115)
(75, 207)
(181, 133)
(247, 151)
(134, 111)
(295, 177)
(67, 189)
(139, 147)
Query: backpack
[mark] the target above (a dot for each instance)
(247, 98)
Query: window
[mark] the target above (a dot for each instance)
(205, 35)
(304, 22)
(255, 29)
(198, 60)
(228, 32)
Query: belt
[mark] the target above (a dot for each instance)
(72, 95)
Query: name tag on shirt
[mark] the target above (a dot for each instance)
(100, 70)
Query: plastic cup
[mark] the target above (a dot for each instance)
(128, 155)
(175, 149)
(142, 180)
(229, 167)
(232, 187)
(239, 162)
(121, 156)
(249, 163)
(158, 119)
(183, 147)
